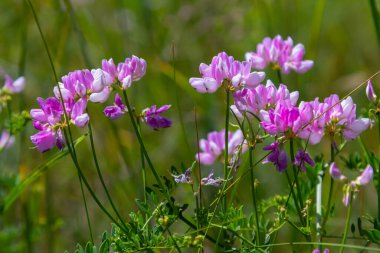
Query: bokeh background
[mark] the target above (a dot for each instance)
(174, 37)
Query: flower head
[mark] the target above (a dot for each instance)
(132, 69)
(302, 158)
(210, 180)
(253, 100)
(212, 147)
(6, 140)
(370, 92)
(280, 54)
(277, 156)
(225, 67)
(183, 178)
(14, 86)
(115, 111)
(152, 117)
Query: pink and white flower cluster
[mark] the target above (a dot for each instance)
(280, 54)
(73, 94)
(224, 67)
(278, 113)
(276, 107)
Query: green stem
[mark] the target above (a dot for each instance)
(81, 38)
(278, 71)
(69, 141)
(100, 174)
(253, 189)
(226, 143)
(295, 174)
(198, 200)
(325, 218)
(139, 138)
(376, 18)
(294, 197)
(81, 175)
(378, 173)
(150, 164)
(347, 223)
(86, 209)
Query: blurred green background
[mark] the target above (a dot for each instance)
(338, 35)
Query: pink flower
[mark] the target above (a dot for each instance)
(153, 118)
(253, 100)
(210, 180)
(370, 92)
(351, 187)
(302, 158)
(285, 117)
(78, 115)
(44, 140)
(14, 86)
(365, 177)
(213, 147)
(6, 140)
(336, 173)
(117, 110)
(133, 69)
(224, 67)
(281, 54)
(277, 156)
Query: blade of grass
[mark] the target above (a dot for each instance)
(34, 176)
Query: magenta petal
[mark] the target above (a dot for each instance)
(365, 177)
(43, 140)
(205, 158)
(113, 112)
(336, 173)
(370, 92)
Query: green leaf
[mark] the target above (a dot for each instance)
(79, 249)
(142, 206)
(105, 246)
(33, 176)
(373, 235)
(90, 248)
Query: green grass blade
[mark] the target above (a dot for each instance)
(33, 176)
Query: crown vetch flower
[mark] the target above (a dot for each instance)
(47, 120)
(263, 97)
(336, 173)
(285, 117)
(301, 158)
(78, 115)
(351, 187)
(212, 147)
(370, 92)
(224, 67)
(132, 69)
(365, 177)
(210, 180)
(115, 111)
(280, 54)
(183, 178)
(14, 86)
(6, 140)
(277, 156)
(152, 117)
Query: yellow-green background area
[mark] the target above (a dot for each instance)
(338, 35)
